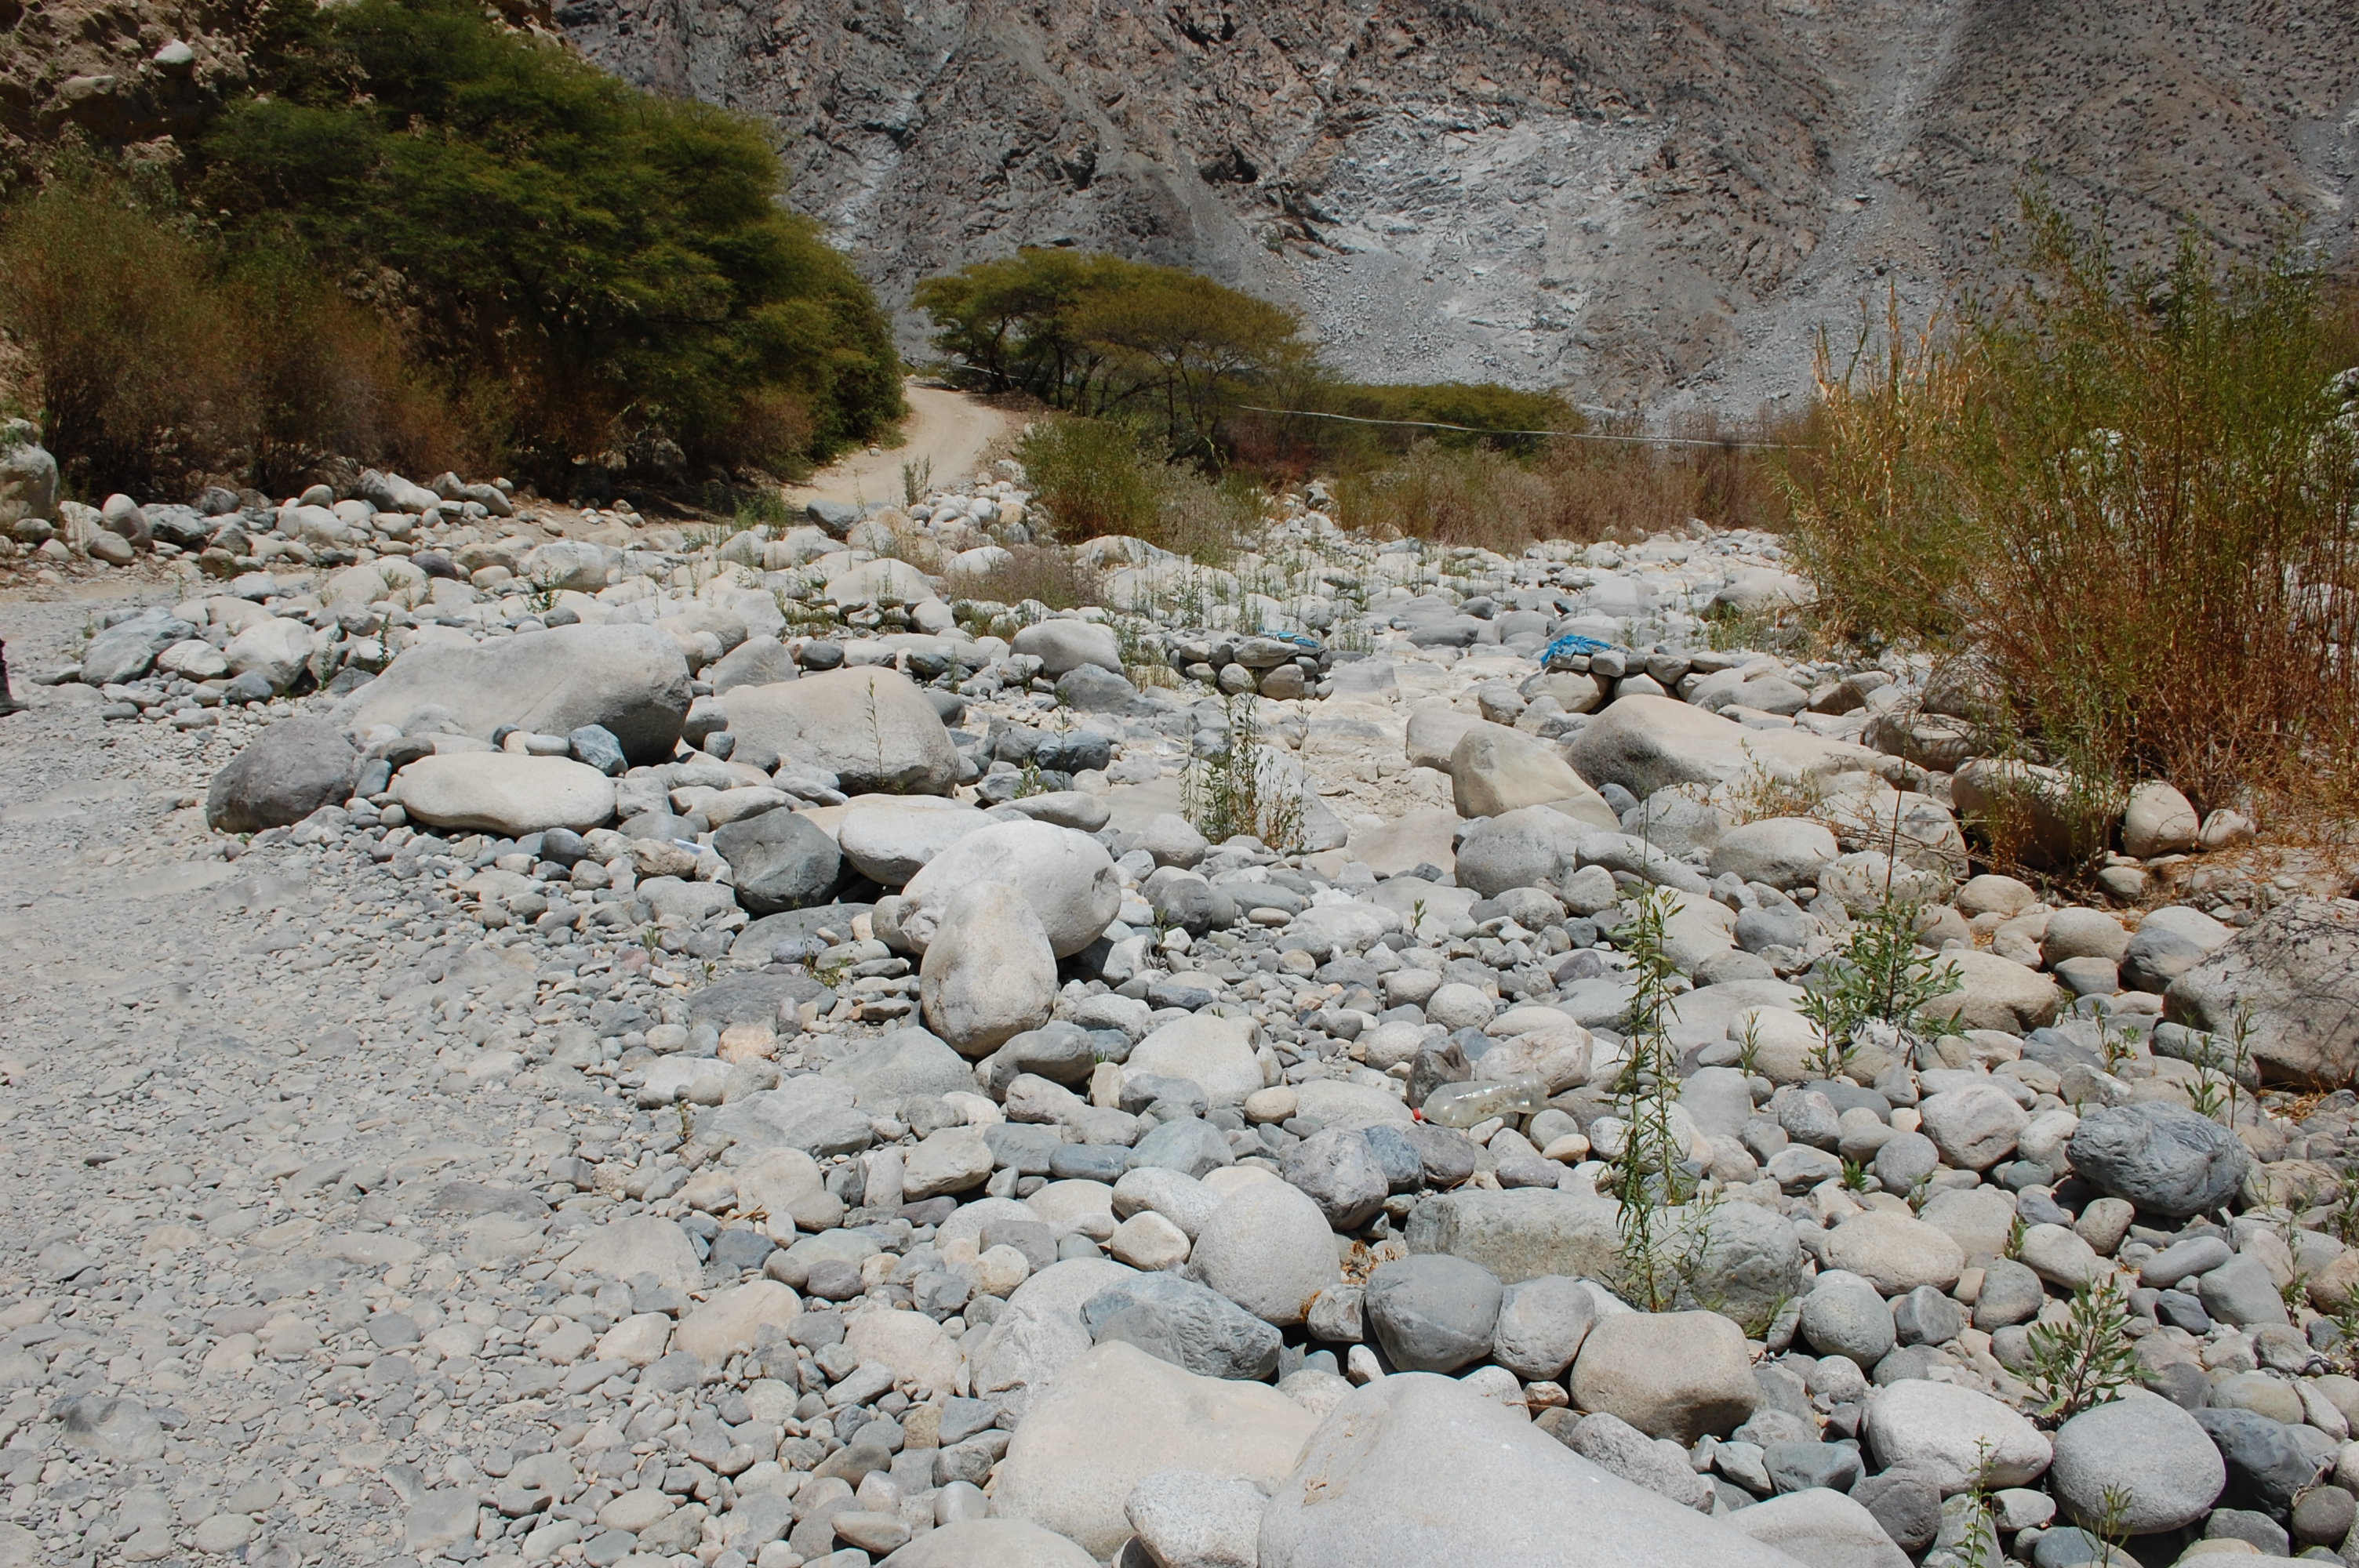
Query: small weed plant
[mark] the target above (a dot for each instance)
(1969, 1538)
(1239, 790)
(2087, 1359)
(2224, 1068)
(1879, 977)
(917, 480)
(1654, 1173)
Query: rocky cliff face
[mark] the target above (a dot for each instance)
(1654, 204)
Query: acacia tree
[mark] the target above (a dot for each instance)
(1099, 335)
(1189, 344)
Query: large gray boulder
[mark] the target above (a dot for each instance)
(2293, 977)
(889, 838)
(1520, 1234)
(814, 1114)
(1494, 770)
(289, 771)
(2164, 1158)
(1040, 1333)
(391, 492)
(870, 728)
(990, 973)
(1201, 1521)
(1784, 852)
(991, 1543)
(1188, 1324)
(1541, 1325)
(1063, 646)
(756, 661)
(1419, 1471)
(1955, 1435)
(2167, 943)
(1647, 743)
(1268, 1250)
(502, 792)
(904, 1063)
(126, 651)
(630, 680)
(275, 649)
(2140, 1453)
(1673, 1373)
(1338, 1170)
(1821, 1527)
(1748, 1262)
(575, 564)
(1995, 992)
(1118, 1415)
(1066, 876)
(1518, 849)
(780, 861)
(1433, 1313)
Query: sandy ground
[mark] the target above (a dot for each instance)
(950, 429)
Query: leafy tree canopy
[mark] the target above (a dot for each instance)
(601, 267)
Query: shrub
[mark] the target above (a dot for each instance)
(2085, 1361)
(1091, 476)
(1489, 495)
(1241, 788)
(159, 355)
(327, 377)
(1351, 426)
(604, 268)
(1469, 495)
(129, 339)
(1209, 520)
(2126, 497)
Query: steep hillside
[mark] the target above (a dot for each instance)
(1650, 203)
(1653, 204)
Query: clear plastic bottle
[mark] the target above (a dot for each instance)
(1462, 1104)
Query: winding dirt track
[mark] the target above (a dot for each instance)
(949, 429)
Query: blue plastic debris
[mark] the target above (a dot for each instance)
(1572, 643)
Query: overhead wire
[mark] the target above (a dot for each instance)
(1557, 435)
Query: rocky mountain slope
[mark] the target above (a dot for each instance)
(1651, 203)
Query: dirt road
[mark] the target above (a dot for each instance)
(947, 429)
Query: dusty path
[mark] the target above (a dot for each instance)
(266, 1274)
(947, 429)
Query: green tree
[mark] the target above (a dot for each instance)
(1186, 347)
(1007, 324)
(602, 268)
(1099, 335)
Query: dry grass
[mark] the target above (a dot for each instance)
(1574, 489)
(1041, 572)
(154, 358)
(2127, 502)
